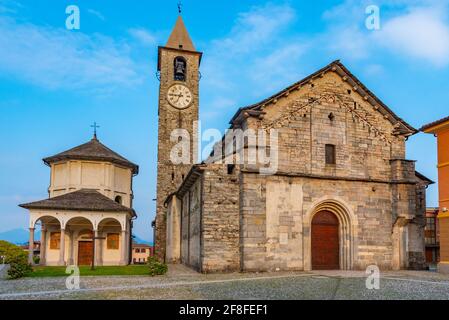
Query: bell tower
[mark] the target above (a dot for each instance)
(178, 66)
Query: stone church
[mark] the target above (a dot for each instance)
(343, 195)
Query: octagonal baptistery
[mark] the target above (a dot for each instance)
(88, 215)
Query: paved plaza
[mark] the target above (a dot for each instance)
(183, 283)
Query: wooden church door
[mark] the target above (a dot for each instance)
(325, 242)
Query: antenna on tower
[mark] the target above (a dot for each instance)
(180, 7)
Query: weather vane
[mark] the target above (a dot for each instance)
(95, 126)
(180, 7)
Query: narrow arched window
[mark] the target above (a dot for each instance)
(180, 69)
(118, 199)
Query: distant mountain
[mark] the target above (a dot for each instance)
(141, 241)
(18, 236)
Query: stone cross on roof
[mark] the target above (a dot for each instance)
(95, 126)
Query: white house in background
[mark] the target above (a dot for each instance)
(89, 210)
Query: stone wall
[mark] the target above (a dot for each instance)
(195, 225)
(254, 222)
(173, 244)
(370, 176)
(329, 112)
(185, 230)
(274, 231)
(221, 223)
(170, 175)
(4, 271)
(210, 225)
(191, 226)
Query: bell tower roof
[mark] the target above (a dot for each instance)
(180, 38)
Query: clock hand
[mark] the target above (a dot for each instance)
(179, 97)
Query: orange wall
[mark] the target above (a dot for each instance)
(444, 240)
(443, 168)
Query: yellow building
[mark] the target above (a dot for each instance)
(141, 253)
(89, 210)
(440, 129)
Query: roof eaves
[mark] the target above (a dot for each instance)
(434, 124)
(342, 71)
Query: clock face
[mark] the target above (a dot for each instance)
(179, 96)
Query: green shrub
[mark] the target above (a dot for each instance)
(36, 259)
(17, 258)
(156, 268)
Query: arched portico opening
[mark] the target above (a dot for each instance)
(113, 242)
(336, 218)
(81, 233)
(49, 239)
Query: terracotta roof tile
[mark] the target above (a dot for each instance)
(84, 199)
(180, 38)
(93, 150)
(435, 123)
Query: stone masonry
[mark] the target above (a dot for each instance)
(253, 222)
(217, 216)
(169, 175)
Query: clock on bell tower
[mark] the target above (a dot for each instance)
(178, 66)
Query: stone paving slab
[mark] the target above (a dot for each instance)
(183, 283)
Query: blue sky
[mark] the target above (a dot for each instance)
(54, 83)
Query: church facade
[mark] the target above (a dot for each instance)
(343, 195)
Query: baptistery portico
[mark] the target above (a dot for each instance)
(88, 215)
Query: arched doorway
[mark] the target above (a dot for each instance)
(325, 241)
(80, 231)
(85, 248)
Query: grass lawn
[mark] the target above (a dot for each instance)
(132, 270)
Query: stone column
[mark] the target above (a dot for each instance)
(123, 248)
(96, 247)
(43, 245)
(100, 249)
(128, 243)
(72, 249)
(62, 249)
(31, 247)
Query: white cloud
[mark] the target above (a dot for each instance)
(143, 36)
(255, 28)
(349, 42)
(279, 68)
(60, 59)
(9, 6)
(223, 103)
(245, 59)
(374, 69)
(422, 34)
(416, 29)
(98, 14)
